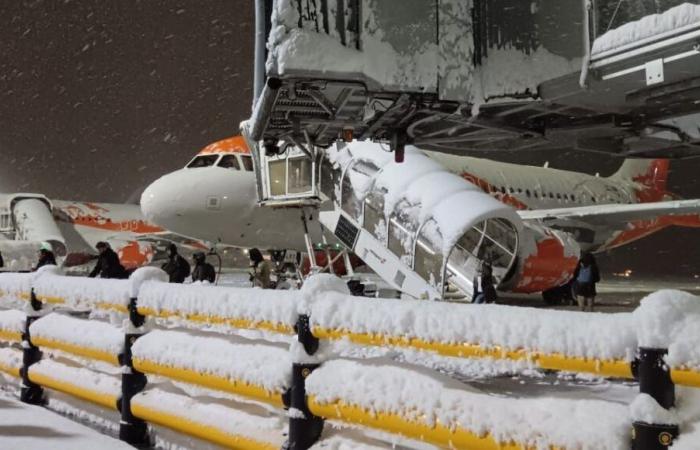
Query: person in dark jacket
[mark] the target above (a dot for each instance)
(585, 278)
(484, 289)
(46, 256)
(262, 271)
(108, 265)
(203, 271)
(177, 267)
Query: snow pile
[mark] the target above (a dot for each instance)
(144, 274)
(649, 26)
(82, 292)
(84, 379)
(662, 314)
(427, 397)
(292, 48)
(592, 336)
(92, 334)
(229, 421)
(337, 442)
(10, 358)
(668, 319)
(262, 365)
(220, 303)
(12, 321)
(645, 409)
(13, 286)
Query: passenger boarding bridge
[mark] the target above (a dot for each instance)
(613, 76)
(406, 221)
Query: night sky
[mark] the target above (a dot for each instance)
(99, 98)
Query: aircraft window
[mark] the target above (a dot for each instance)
(512, 191)
(558, 196)
(229, 162)
(573, 198)
(503, 189)
(593, 199)
(535, 194)
(247, 163)
(520, 191)
(527, 192)
(202, 161)
(551, 195)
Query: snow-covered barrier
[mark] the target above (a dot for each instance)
(93, 293)
(564, 340)
(442, 411)
(261, 372)
(82, 383)
(213, 422)
(668, 319)
(10, 361)
(87, 338)
(12, 325)
(15, 287)
(235, 307)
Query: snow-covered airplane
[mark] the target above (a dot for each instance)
(73, 229)
(214, 198)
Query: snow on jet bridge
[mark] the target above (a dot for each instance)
(448, 75)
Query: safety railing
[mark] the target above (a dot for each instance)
(657, 344)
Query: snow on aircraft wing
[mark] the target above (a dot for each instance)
(615, 213)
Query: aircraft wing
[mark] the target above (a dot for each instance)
(615, 213)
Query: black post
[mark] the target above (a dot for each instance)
(30, 392)
(304, 427)
(132, 430)
(655, 380)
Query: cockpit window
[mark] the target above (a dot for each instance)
(202, 161)
(247, 163)
(230, 162)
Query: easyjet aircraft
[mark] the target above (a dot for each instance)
(73, 229)
(214, 198)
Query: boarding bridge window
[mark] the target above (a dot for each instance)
(277, 170)
(247, 163)
(356, 180)
(612, 14)
(300, 175)
(402, 230)
(374, 221)
(229, 162)
(202, 161)
(428, 256)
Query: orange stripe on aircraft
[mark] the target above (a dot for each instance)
(489, 188)
(235, 144)
(642, 228)
(547, 268)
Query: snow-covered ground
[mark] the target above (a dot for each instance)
(28, 427)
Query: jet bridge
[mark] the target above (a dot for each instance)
(424, 230)
(614, 76)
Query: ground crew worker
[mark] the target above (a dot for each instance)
(46, 256)
(203, 271)
(261, 276)
(586, 276)
(176, 267)
(108, 265)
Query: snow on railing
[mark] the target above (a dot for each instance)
(659, 337)
(12, 325)
(79, 382)
(262, 372)
(235, 307)
(15, 287)
(399, 399)
(87, 338)
(209, 421)
(10, 361)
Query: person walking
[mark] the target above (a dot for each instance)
(203, 271)
(176, 267)
(108, 265)
(262, 272)
(46, 256)
(586, 276)
(484, 289)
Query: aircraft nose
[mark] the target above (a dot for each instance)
(159, 201)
